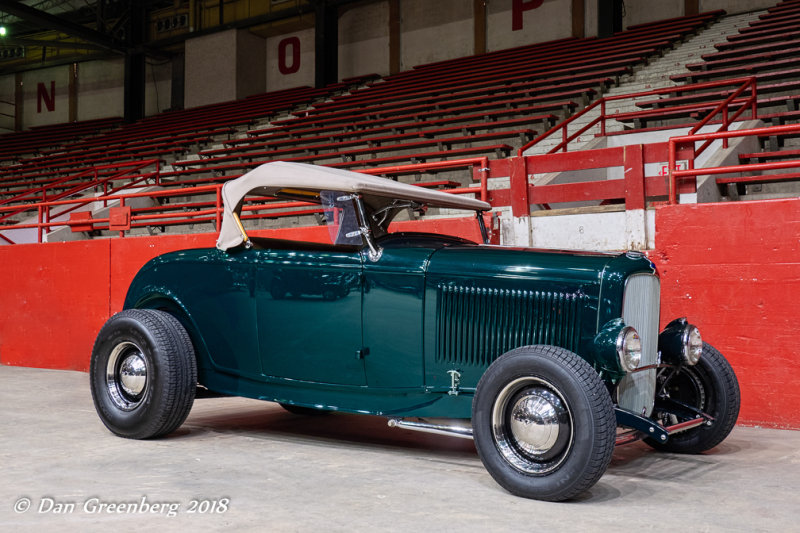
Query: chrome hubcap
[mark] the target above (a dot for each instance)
(126, 376)
(532, 425)
(133, 374)
(535, 421)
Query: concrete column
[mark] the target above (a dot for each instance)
(578, 18)
(19, 101)
(609, 17)
(73, 92)
(178, 85)
(326, 44)
(135, 64)
(394, 36)
(479, 10)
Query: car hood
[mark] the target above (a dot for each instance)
(530, 263)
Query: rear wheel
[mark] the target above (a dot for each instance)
(143, 374)
(709, 386)
(543, 423)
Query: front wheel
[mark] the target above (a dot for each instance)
(543, 423)
(143, 374)
(709, 386)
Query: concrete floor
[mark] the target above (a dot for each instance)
(282, 472)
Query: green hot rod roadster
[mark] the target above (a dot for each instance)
(545, 358)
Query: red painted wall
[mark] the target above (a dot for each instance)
(731, 268)
(734, 270)
(53, 300)
(55, 297)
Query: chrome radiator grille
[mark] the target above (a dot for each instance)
(476, 325)
(640, 309)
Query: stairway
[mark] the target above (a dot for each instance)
(654, 75)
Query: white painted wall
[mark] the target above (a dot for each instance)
(610, 231)
(435, 31)
(223, 66)
(736, 6)
(33, 115)
(642, 11)
(7, 103)
(590, 18)
(210, 69)
(158, 87)
(552, 20)
(304, 73)
(364, 40)
(234, 63)
(251, 57)
(101, 91)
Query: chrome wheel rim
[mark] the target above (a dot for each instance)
(127, 376)
(532, 425)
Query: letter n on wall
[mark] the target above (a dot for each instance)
(42, 95)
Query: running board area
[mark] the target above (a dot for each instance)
(464, 430)
(453, 430)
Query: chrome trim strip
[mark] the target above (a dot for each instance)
(426, 427)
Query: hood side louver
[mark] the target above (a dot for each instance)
(475, 325)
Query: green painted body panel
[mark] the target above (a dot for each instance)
(308, 305)
(326, 327)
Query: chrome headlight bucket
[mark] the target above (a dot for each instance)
(692, 344)
(629, 349)
(680, 343)
(617, 350)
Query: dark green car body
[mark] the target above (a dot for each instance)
(407, 335)
(546, 359)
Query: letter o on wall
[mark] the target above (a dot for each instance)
(294, 65)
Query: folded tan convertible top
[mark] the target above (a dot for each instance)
(269, 178)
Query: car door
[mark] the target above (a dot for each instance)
(394, 288)
(309, 314)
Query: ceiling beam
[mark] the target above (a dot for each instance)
(69, 45)
(52, 22)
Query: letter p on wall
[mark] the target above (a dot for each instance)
(520, 6)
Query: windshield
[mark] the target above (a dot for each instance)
(340, 217)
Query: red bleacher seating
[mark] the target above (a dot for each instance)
(484, 105)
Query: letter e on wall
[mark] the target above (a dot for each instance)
(42, 95)
(292, 46)
(519, 7)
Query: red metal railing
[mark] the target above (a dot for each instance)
(688, 142)
(201, 211)
(639, 177)
(96, 182)
(634, 187)
(479, 166)
(724, 108)
(124, 172)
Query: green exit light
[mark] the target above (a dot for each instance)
(2, 31)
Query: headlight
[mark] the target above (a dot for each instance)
(692, 345)
(629, 349)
